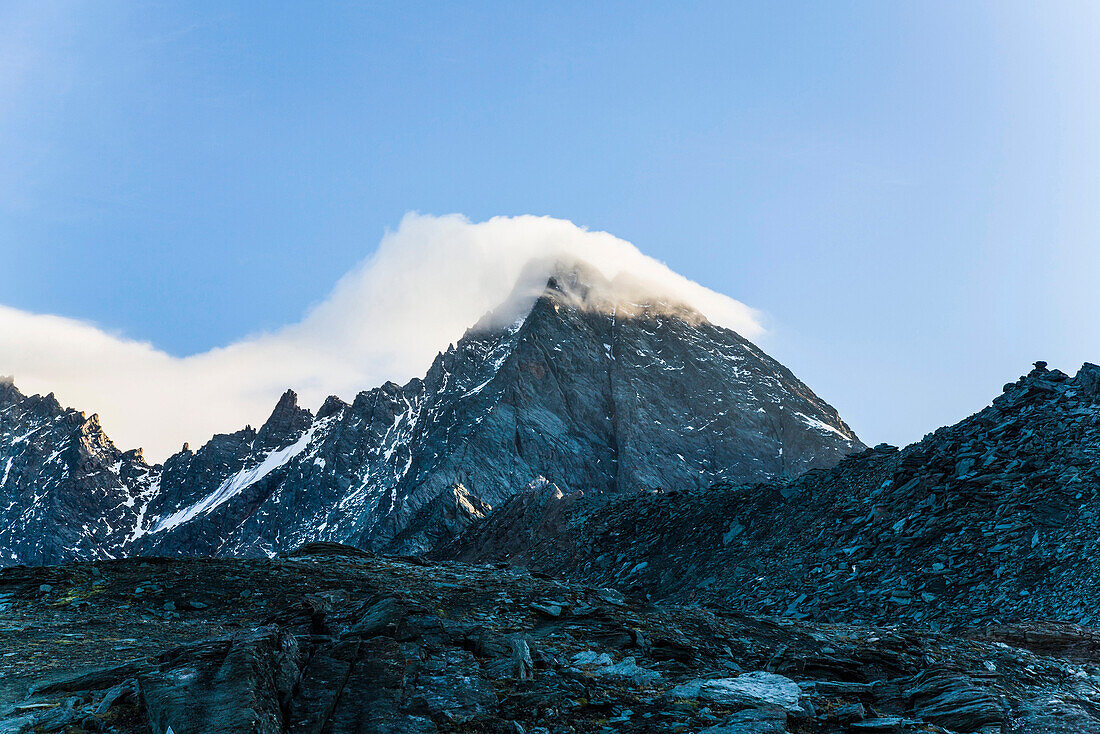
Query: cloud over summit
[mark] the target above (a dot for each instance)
(427, 282)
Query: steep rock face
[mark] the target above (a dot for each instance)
(66, 492)
(993, 519)
(582, 387)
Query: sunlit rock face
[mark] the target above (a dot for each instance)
(580, 381)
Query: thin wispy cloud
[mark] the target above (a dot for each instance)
(427, 282)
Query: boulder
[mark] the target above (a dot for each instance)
(629, 670)
(753, 690)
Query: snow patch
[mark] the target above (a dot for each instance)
(822, 425)
(240, 481)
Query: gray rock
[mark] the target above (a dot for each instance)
(953, 701)
(550, 609)
(850, 712)
(755, 689)
(628, 669)
(221, 686)
(384, 617)
(450, 659)
(588, 657)
(883, 725)
(118, 693)
(522, 665)
(690, 689)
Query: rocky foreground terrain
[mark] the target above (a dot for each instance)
(330, 639)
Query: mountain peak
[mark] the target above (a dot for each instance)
(584, 285)
(579, 285)
(575, 280)
(286, 420)
(9, 393)
(288, 402)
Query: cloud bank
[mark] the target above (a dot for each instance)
(426, 283)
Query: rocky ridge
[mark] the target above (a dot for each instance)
(992, 520)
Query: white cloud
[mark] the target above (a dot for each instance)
(425, 285)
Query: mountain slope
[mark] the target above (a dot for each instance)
(993, 519)
(579, 386)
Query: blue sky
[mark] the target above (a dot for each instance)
(908, 191)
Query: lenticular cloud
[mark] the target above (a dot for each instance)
(426, 283)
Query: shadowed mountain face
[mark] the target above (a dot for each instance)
(580, 385)
(991, 520)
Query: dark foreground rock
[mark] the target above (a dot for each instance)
(332, 640)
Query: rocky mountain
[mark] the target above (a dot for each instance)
(993, 520)
(334, 640)
(630, 519)
(65, 490)
(584, 383)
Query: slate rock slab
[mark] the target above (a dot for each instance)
(753, 690)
